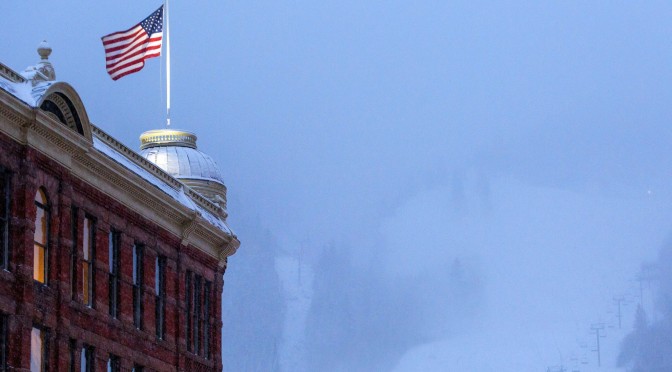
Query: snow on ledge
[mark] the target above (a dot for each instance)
(166, 183)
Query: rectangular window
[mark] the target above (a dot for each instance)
(197, 314)
(72, 348)
(41, 238)
(114, 242)
(39, 353)
(189, 297)
(4, 341)
(88, 258)
(138, 254)
(160, 290)
(113, 364)
(87, 359)
(206, 319)
(74, 230)
(138, 368)
(197, 293)
(5, 199)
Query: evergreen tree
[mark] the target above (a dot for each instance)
(253, 309)
(363, 319)
(648, 348)
(631, 347)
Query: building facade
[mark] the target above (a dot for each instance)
(108, 261)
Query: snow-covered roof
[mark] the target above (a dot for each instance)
(25, 91)
(150, 175)
(32, 84)
(36, 85)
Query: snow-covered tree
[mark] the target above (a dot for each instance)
(648, 348)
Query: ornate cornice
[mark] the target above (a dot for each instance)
(37, 129)
(227, 249)
(12, 116)
(10, 74)
(14, 111)
(135, 157)
(188, 227)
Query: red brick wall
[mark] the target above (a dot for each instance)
(51, 306)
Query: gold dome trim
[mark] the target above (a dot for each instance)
(167, 137)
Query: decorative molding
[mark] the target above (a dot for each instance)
(136, 158)
(228, 249)
(12, 116)
(56, 141)
(75, 115)
(10, 74)
(188, 227)
(121, 178)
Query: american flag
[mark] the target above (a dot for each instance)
(126, 51)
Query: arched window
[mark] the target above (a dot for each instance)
(59, 106)
(41, 237)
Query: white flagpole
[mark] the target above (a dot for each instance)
(167, 27)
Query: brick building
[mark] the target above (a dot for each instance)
(109, 261)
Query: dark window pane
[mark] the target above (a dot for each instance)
(206, 320)
(87, 359)
(114, 299)
(138, 254)
(160, 306)
(197, 314)
(72, 348)
(4, 219)
(189, 298)
(4, 341)
(113, 363)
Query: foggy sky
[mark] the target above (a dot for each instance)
(351, 121)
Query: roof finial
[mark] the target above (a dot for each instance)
(44, 50)
(43, 70)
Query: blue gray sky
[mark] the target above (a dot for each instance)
(350, 121)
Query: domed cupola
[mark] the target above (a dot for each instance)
(175, 152)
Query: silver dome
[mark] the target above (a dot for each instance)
(175, 152)
(183, 162)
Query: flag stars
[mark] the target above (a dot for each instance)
(126, 51)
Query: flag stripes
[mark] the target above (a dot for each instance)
(126, 51)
